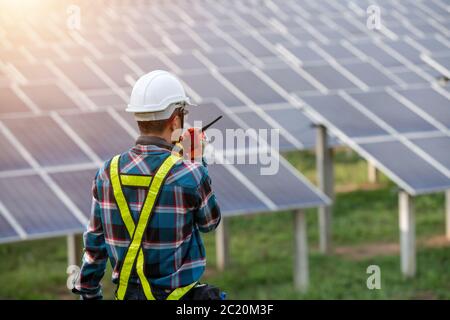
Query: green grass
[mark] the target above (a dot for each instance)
(261, 249)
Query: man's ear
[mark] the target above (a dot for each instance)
(176, 129)
(174, 123)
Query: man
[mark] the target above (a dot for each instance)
(149, 205)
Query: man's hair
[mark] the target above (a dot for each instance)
(156, 126)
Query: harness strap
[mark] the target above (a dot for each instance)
(135, 181)
(134, 252)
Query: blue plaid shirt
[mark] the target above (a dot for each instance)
(174, 253)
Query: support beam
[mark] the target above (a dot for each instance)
(74, 249)
(222, 245)
(407, 234)
(447, 214)
(372, 173)
(301, 265)
(325, 181)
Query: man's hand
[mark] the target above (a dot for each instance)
(193, 141)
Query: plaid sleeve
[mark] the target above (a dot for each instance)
(95, 253)
(207, 215)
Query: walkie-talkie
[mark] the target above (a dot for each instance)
(211, 123)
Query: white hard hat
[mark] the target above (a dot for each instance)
(156, 95)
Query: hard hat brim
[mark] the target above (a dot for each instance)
(164, 114)
(161, 107)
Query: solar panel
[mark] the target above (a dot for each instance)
(354, 124)
(103, 46)
(128, 40)
(116, 70)
(34, 72)
(81, 75)
(275, 37)
(433, 45)
(431, 102)
(256, 122)
(7, 232)
(370, 75)
(288, 79)
(300, 35)
(207, 86)
(46, 141)
(10, 55)
(253, 87)
(437, 147)
(10, 160)
(253, 46)
(105, 98)
(409, 77)
(296, 123)
(187, 62)
(293, 195)
(408, 166)
(148, 62)
(233, 196)
(207, 112)
(35, 207)
(222, 59)
(330, 77)
(393, 112)
(11, 102)
(39, 95)
(186, 43)
(213, 40)
(377, 53)
(339, 52)
(101, 132)
(78, 186)
(306, 55)
(405, 50)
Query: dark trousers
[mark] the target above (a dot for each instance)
(135, 292)
(198, 292)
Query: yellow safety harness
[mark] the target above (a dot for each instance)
(137, 232)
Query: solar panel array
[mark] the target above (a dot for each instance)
(62, 115)
(67, 68)
(405, 132)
